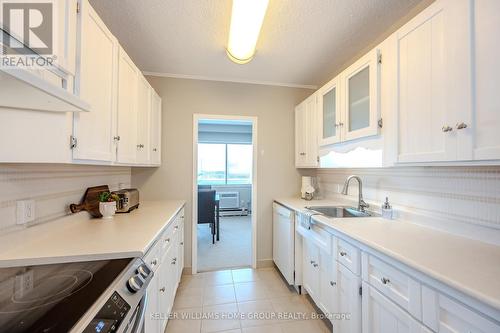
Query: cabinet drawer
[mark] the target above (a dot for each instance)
(444, 314)
(319, 236)
(153, 257)
(393, 283)
(348, 255)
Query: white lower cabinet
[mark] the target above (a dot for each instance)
(349, 301)
(386, 298)
(380, 315)
(310, 267)
(443, 314)
(166, 258)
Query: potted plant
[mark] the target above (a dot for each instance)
(107, 204)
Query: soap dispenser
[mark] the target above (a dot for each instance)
(387, 209)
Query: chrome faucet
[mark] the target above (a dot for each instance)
(361, 203)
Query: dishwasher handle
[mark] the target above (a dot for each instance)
(141, 314)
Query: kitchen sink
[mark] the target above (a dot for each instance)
(340, 211)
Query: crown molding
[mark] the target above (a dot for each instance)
(210, 78)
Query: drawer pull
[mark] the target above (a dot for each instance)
(342, 253)
(174, 261)
(162, 289)
(312, 262)
(167, 240)
(333, 283)
(385, 280)
(154, 262)
(182, 243)
(176, 227)
(315, 265)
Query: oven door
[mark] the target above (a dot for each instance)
(136, 324)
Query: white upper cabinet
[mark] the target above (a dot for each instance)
(486, 113)
(96, 84)
(128, 76)
(329, 120)
(361, 97)
(306, 139)
(434, 83)
(155, 128)
(66, 35)
(349, 104)
(144, 103)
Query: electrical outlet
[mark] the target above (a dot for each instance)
(24, 283)
(25, 211)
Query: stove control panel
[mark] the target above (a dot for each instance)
(111, 315)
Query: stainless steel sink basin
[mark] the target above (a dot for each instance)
(340, 212)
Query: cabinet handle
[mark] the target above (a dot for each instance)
(174, 261)
(154, 149)
(447, 128)
(116, 138)
(312, 262)
(461, 126)
(182, 243)
(385, 280)
(302, 154)
(342, 253)
(176, 227)
(167, 240)
(341, 124)
(315, 265)
(154, 262)
(162, 289)
(333, 283)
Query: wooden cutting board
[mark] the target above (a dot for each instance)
(90, 201)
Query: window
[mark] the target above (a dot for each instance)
(221, 164)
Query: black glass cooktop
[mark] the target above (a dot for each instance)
(52, 298)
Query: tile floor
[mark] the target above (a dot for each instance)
(241, 301)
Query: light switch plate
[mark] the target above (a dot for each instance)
(25, 211)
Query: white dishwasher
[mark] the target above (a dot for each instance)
(287, 247)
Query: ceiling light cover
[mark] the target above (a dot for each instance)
(246, 21)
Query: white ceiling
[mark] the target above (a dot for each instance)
(303, 42)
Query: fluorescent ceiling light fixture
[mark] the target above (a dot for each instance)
(246, 21)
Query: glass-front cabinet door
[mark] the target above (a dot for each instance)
(360, 82)
(330, 122)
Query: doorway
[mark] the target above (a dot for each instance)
(224, 192)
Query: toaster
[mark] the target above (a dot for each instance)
(129, 200)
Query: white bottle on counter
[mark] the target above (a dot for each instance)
(387, 209)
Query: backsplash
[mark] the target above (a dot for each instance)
(461, 200)
(53, 187)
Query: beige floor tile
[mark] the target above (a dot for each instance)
(217, 278)
(192, 281)
(251, 291)
(279, 288)
(263, 329)
(221, 318)
(292, 308)
(188, 301)
(214, 295)
(309, 326)
(244, 275)
(185, 321)
(257, 313)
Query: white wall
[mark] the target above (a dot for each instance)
(274, 107)
(53, 187)
(460, 200)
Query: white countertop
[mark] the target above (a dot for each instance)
(469, 266)
(78, 237)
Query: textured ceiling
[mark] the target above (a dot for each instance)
(303, 42)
